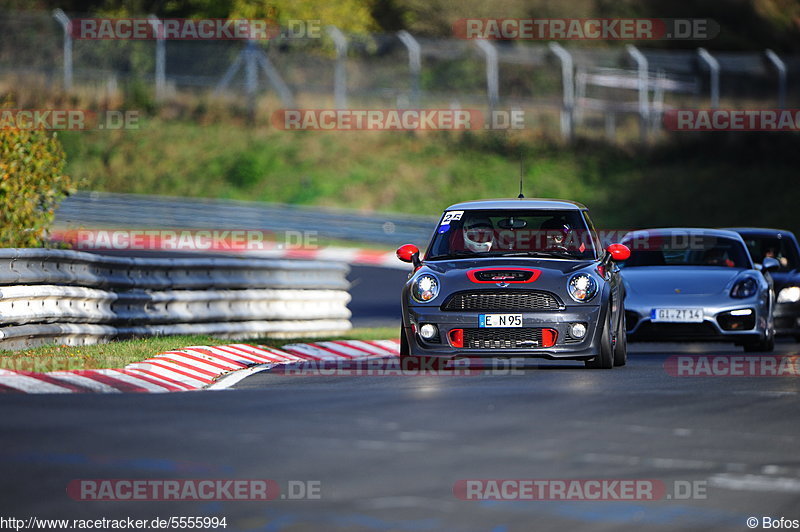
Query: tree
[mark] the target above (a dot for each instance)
(32, 183)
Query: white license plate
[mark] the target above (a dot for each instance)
(677, 315)
(500, 320)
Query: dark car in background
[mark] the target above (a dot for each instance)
(782, 246)
(688, 284)
(515, 278)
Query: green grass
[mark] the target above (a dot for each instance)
(119, 354)
(707, 179)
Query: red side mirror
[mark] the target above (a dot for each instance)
(619, 252)
(406, 253)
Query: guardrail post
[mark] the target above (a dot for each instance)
(643, 88)
(492, 72)
(160, 74)
(63, 19)
(414, 64)
(340, 71)
(780, 66)
(713, 66)
(568, 89)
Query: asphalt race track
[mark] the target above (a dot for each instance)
(386, 451)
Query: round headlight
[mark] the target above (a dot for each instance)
(582, 287)
(425, 288)
(577, 330)
(790, 294)
(428, 331)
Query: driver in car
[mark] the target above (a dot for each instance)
(478, 235)
(555, 231)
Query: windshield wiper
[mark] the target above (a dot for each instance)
(456, 255)
(547, 254)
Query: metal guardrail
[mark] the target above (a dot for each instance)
(73, 297)
(96, 209)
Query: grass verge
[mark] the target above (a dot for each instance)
(119, 354)
(706, 179)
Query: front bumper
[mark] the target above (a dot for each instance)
(718, 324)
(565, 347)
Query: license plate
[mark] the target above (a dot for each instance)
(500, 320)
(677, 315)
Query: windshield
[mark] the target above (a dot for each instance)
(780, 249)
(682, 249)
(541, 233)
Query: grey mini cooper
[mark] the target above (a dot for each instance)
(515, 278)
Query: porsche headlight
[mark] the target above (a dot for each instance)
(790, 294)
(425, 288)
(582, 287)
(744, 288)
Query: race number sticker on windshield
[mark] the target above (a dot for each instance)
(451, 216)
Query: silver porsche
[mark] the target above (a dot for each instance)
(695, 285)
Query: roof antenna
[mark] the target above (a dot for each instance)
(521, 195)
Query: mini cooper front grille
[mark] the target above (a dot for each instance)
(513, 338)
(504, 300)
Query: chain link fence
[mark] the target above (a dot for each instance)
(589, 87)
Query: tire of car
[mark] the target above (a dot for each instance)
(605, 358)
(409, 362)
(405, 352)
(767, 345)
(621, 345)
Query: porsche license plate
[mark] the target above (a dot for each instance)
(500, 320)
(676, 315)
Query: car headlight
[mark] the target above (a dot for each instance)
(744, 288)
(425, 288)
(582, 287)
(790, 294)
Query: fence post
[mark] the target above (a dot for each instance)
(161, 76)
(780, 66)
(340, 71)
(274, 77)
(492, 72)
(414, 63)
(251, 78)
(643, 87)
(568, 87)
(713, 66)
(63, 19)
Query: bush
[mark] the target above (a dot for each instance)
(32, 183)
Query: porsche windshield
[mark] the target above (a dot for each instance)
(683, 249)
(560, 234)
